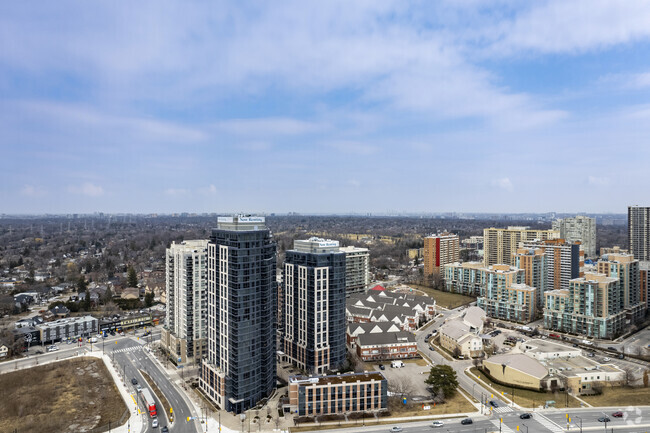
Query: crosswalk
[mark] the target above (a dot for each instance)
(128, 349)
(553, 427)
(502, 427)
(502, 409)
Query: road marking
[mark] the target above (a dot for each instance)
(502, 427)
(128, 349)
(552, 426)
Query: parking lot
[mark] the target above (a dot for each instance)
(411, 375)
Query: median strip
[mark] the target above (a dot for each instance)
(160, 395)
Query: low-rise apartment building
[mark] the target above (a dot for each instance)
(70, 327)
(338, 394)
(515, 303)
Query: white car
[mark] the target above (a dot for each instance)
(437, 424)
(154, 423)
(395, 429)
(606, 359)
(52, 349)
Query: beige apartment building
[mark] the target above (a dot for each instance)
(533, 262)
(440, 250)
(500, 245)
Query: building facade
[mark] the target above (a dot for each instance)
(440, 250)
(314, 305)
(626, 268)
(515, 302)
(240, 368)
(70, 327)
(185, 332)
(638, 232)
(578, 229)
(500, 245)
(357, 269)
(338, 394)
(563, 262)
(533, 262)
(591, 306)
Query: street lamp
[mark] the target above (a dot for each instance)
(580, 422)
(525, 426)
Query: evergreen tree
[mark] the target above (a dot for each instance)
(131, 277)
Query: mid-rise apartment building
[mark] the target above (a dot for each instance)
(185, 332)
(240, 367)
(590, 307)
(638, 231)
(515, 303)
(314, 305)
(440, 250)
(357, 269)
(500, 245)
(533, 262)
(626, 268)
(578, 229)
(338, 394)
(563, 261)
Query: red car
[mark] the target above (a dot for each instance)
(618, 414)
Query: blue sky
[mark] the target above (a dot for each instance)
(365, 106)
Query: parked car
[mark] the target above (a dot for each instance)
(604, 419)
(467, 421)
(395, 429)
(437, 424)
(382, 367)
(621, 356)
(134, 381)
(525, 416)
(606, 359)
(591, 354)
(617, 414)
(432, 349)
(612, 348)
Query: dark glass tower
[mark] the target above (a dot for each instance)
(240, 368)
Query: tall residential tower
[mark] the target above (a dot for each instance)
(185, 331)
(314, 305)
(638, 232)
(240, 368)
(578, 229)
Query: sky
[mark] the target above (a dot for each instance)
(324, 107)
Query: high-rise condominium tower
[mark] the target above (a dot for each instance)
(578, 229)
(440, 250)
(314, 305)
(240, 368)
(185, 331)
(638, 231)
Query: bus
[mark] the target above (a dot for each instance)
(148, 401)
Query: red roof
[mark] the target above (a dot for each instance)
(378, 287)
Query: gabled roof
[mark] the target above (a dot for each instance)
(355, 329)
(378, 287)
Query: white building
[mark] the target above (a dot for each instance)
(357, 269)
(578, 229)
(185, 331)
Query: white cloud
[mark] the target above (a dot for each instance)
(504, 183)
(574, 26)
(353, 147)
(598, 181)
(88, 189)
(208, 190)
(267, 126)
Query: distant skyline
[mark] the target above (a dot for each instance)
(329, 107)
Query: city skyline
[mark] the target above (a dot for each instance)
(322, 109)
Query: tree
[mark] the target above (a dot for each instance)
(442, 379)
(86, 302)
(131, 277)
(148, 299)
(82, 284)
(456, 352)
(108, 296)
(645, 379)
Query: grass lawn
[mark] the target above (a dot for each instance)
(528, 398)
(620, 396)
(67, 396)
(418, 361)
(445, 299)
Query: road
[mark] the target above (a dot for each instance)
(468, 385)
(130, 356)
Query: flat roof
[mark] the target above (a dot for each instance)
(337, 379)
(538, 345)
(579, 365)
